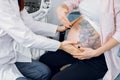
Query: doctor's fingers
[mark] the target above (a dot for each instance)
(65, 22)
(63, 18)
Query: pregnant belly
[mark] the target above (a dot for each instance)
(84, 34)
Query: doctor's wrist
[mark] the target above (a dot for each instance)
(61, 46)
(61, 28)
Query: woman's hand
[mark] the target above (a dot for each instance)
(87, 54)
(62, 11)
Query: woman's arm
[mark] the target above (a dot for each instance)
(115, 40)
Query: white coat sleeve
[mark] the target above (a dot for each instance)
(38, 27)
(13, 25)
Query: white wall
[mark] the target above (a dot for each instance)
(52, 16)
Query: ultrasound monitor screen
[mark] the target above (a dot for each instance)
(32, 5)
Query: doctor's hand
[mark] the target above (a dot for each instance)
(62, 28)
(87, 54)
(62, 11)
(68, 46)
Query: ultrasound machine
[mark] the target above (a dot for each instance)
(38, 9)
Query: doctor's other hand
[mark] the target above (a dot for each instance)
(68, 46)
(87, 54)
(62, 28)
(62, 11)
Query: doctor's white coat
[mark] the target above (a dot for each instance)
(19, 27)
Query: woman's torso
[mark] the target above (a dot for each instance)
(90, 9)
(86, 32)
